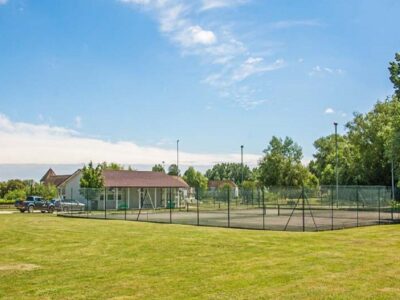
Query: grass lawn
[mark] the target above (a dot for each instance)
(43, 256)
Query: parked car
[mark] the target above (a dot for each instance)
(33, 203)
(68, 205)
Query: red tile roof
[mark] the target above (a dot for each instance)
(143, 179)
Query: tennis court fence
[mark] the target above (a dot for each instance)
(273, 208)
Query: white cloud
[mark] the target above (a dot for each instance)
(2, 2)
(210, 40)
(249, 104)
(320, 71)
(329, 111)
(196, 35)
(25, 143)
(212, 4)
(294, 23)
(255, 66)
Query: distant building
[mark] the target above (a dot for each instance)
(218, 184)
(133, 189)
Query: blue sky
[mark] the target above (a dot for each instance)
(80, 79)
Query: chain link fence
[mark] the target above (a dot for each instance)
(274, 208)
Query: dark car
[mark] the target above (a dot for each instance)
(33, 203)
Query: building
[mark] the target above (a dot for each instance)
(219, 184)
(122, 189)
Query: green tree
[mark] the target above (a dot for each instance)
(394, 69)
(229, 171)
(174, 170)
(48, 192)
(249, 185)
(15, 184)
(3, 189)
(92, 177)
(158, 168)
(324, 164)
(195, 179)
(19, 194)
(372, 137)
(112, 166)
(281, 165)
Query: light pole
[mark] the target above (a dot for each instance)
(241, 161)
(177, 156)
(337, 165)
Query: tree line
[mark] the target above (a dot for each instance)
(14, 189)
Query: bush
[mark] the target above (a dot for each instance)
(15, 195)
(48, 192)
(5, 201)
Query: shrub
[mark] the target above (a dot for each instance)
(5, 201)
(15, 195)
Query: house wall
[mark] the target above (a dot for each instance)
(73, 189)
(116, 198)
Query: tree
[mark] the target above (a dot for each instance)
(281, 165)
(3, 189)
(195, 179)
(369, 147)
(365, 151)
(230, 171)
(158, 168)
(112, 166)
(394, 69)
(47, 191)
(324, 164)
(372, 137)
(173, 170)
(92, 177)
(19, 194)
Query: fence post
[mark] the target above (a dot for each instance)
(116, 200)
(229, 206)
(213, 197)
(303, 208)
(331, 208)
(170, 205)
(263, 204)
(197, 204)
(357, 199)
(379, 205)
(126, 204)
(87, 204)
(105, 203)
(70, 202)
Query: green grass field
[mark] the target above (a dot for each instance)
(49, 257)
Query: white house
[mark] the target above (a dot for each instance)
(122, 188)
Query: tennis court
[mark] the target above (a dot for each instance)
(285, 209)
